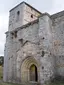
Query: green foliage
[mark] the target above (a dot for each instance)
(1, 72)
(8, 84)
(52, 83)
(57, 83)
(1, 60)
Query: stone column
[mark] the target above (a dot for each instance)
(5, 69)
(45, 37)
(8, 58)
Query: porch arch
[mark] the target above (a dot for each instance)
(25, 68)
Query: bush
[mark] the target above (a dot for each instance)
(1, 61)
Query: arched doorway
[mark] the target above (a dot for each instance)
(26, 70)
(33, 73)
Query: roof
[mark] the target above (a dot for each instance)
(26, 4)
(27, 25)
(24, 26)
(56, 15)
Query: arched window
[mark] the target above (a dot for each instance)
(31, 15)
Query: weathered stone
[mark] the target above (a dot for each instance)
(36, 49)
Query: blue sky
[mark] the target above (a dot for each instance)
(50, 6)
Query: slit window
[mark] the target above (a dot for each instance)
(18, 16)
(43, 53)
(15, 34)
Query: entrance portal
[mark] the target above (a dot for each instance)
(33, 73)
(29, 70)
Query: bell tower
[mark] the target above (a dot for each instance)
(21, 15)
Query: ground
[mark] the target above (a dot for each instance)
(2, 83)
(57, 83)
(54, 83)
(8, 84)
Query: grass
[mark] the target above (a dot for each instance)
(54, 83)
(1, 72)
(57, 83)
(1, 83)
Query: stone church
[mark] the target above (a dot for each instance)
(34, 48)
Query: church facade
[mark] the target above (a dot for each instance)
(34, 48)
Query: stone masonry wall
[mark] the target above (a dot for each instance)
(58, 43)
(47, 70)
(21, 15)
(32, 41)
(13, 22)
(18, 17)
(8, 57)
(40, 42)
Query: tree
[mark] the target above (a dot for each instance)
(1, 60)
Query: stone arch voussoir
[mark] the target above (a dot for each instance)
(27, 62)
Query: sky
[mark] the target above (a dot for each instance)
(50, 6)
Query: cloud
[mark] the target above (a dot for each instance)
(3, 29)
(57, 6)
(42, 5)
